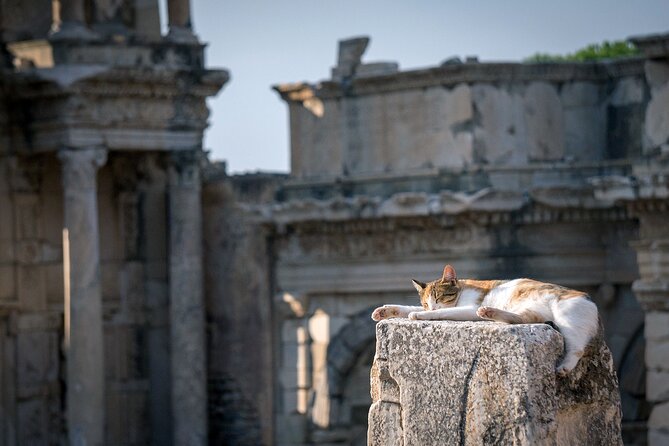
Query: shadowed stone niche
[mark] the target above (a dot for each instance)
(486, 383)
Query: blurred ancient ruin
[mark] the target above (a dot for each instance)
(102, 122)
(235, 309)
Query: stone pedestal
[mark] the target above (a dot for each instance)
(442, 383)
(189, 385)
(69, 21)
(85, 352)
(180, 28)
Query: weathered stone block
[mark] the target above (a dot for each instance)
(131, 287)
(37, 361)
(629, 90)
(6, 251)
(109, 275)
(500, 131)
(27, 216)
(545, 125)
(291, 429)
(488, 383)
(657, 325)
(657, 353)
(657, 73)
(385, 424)
(6, 215)
(658, 438)
(585, 133)
(53, 276)
(579, 94)
(657, 117)
(657, 385)
(30, 287)
(659, 419)
(33, 422)
(7, 287)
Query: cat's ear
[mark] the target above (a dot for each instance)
(449, 275)
(420, 286)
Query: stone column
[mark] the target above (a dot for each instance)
(69, 21)
(180, 27)
(487, 383)
(189, 374)
(652, 292)
(85, 353)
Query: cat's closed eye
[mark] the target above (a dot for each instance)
(446, 297)
(447, 293)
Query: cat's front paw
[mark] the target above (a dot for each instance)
(385, 312)
(486, 312)
(417, 315)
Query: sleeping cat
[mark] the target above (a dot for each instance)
(519, 301)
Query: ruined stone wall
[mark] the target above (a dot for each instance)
(331, 274)
(24, 20)
(456, 117)
(30, 305)
(492, 167)
(240, 309)
(133, 228)
(134, 282)
(649, 201)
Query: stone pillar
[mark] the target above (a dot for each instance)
(69, 21)
(446, 382)
(85, 353)
(147, 19)
(189, 374)
(180, 27)
(652, 292)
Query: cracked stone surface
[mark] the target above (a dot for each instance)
(443, 382)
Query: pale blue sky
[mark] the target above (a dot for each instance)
(265, 42)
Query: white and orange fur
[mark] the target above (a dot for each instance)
(519, 301)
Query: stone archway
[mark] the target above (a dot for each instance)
(349, 357)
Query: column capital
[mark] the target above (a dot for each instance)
(80, 166)
(184, 168)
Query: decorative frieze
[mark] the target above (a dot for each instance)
(391, 244)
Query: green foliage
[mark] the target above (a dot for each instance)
(595, 51)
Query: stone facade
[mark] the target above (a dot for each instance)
(102, 329)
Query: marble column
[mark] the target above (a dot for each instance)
(187, 329)
(180, 27)
(85, 353)
(69, 21)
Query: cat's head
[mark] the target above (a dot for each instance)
(442, 293)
